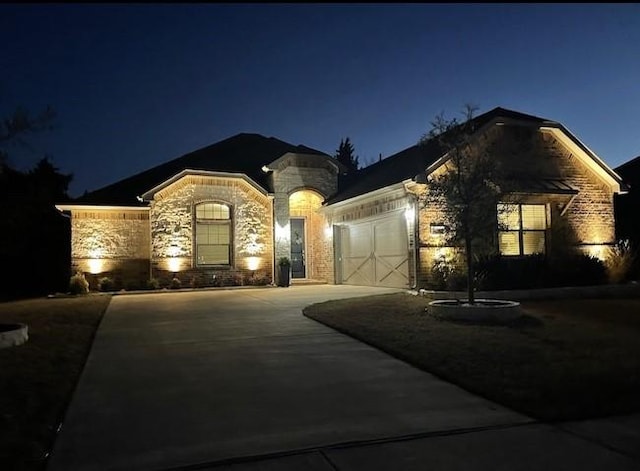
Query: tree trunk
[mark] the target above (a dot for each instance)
(468, 256)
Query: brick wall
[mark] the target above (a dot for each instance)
(524, 153)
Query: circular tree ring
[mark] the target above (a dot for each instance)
(12, 335)
(482, 309)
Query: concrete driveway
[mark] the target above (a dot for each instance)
(188, 378)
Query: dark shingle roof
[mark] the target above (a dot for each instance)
(410, 162)
(243, 153)
(630, 171)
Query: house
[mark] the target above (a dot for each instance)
(627, 206)
(234, 208)
(627, 209)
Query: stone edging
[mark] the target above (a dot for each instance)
(14, 335)
(569, 292)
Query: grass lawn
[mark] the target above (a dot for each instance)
(38, 377)
(562, 360)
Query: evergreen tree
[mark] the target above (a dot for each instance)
(345, 155)
(35, 241)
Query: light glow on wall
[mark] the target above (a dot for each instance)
(95, 265)
(443, 253)
(283, 232)
(173, 264)
(253, 246)
(409, 213)
(598, 251)
(253, 263)
(95, 253)
(173, 251)
(328, 231)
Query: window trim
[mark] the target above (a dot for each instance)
(226, 222)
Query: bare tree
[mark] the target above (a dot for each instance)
(468, 185)
(14, 128)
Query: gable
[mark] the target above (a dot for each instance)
(418, 161)
(202, 178)
(541, 158)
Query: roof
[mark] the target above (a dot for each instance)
(243, 153)
(630, 171)
(409, 163)
(555, 186)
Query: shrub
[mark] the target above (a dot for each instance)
(175, 283)
(539, 271)
(153, 283)
(106, 284)
(284, 262)
(496, 272)
(236, 280)
(78, 284)
(620, 260)
(256, 279)
(577, 270)
(448, 272)
(195, 282)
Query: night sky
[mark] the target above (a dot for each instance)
(137, 85)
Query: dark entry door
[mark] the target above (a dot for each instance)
(297, 249)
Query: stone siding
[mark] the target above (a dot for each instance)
(287, 181)
(300, 173)
(111, 243)
(173, 231)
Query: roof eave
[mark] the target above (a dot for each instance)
(148, 195)
(598, 165)
(98, 207)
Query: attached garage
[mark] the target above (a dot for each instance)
(374, 252)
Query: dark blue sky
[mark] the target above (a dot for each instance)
(137, 85)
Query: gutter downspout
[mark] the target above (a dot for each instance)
(416, 239)
(273, 240)
(411, 189)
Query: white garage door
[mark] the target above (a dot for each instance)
(375, 253)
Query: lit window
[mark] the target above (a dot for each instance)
(521, 228)
(213, 234)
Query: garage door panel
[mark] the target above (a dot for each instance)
(392, 272)
(375, 253)
(359, 271)
(390, 238)
(358, 243)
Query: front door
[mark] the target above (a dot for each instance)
(298, 269)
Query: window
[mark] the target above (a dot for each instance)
(521, 228)
(213, 234)
(437, 229)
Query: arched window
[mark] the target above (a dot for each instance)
(213, 234)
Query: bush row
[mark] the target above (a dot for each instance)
(78, 283)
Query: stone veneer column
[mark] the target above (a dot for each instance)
(294, 172)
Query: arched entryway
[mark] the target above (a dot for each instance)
(311, 249)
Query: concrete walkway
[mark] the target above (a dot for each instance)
(239, 379)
